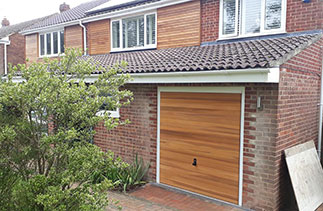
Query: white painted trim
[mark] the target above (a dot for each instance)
(236, 90)
(134, 10)
(270, 75)
(265, 75)
(114, 114)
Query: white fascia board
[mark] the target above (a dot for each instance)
(262, 75)
(51, 28)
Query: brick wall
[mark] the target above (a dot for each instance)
(16, 49)
(210, 20)
(260, 134)
(1, 59)
(298, 110)
(138, 137)
(304, 16)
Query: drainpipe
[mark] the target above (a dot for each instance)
(84, 36)
(5, 58)
(321, 116)
(5, 43)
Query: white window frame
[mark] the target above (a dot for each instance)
(121, 33)
(239, 32)
(52, 43)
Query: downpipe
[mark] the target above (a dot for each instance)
(84, 37)
(321, 117)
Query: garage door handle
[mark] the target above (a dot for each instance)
(194, 162)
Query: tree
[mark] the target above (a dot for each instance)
(49, 168)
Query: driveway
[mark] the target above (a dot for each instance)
(151, 197)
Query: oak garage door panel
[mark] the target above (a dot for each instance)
(204, 126)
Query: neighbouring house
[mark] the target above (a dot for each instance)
(221, 87)
(12, 43)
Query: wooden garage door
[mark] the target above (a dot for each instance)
(205, 127)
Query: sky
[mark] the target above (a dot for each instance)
(17, 11)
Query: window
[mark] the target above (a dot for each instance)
(106, 107)
(133, 33)
(51, 44)
(251, 17)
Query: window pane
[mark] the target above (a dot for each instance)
(116, 34)
(55, 40)
(42, 45)
(273, 14)
(133, 32)
(48, 44)
(229, 16)
(151, 29)
(252, 16)
(62, 41)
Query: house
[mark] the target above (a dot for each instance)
(221, 87)
(12, 43)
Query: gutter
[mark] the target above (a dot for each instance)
(84, 37)
(319, 144)
(260, 75)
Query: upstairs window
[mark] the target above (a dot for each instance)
(251, 17)
(134, 33)
(51, 43)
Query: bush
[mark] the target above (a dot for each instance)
(47, 169)
(124, 176)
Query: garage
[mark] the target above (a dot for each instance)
(199, 143)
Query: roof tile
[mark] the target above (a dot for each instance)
(258, 53)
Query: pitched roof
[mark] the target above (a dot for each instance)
(105, 8)
(8, 30)
(256, 53)
(69, 15)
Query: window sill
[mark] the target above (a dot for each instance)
(133, 49)
(251, 35)
(51, 56)
(114, 114)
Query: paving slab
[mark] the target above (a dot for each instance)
(153, 197)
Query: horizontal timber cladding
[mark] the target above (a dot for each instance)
(201, 129)
(99, 37)
(31, 47)
(74, 37)
(179, 25)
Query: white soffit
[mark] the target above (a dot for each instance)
(108, 4)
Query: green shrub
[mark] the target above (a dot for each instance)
(43, 169)
(124, 176)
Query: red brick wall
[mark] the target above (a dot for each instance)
(210, 20)
(298, 110)
(1, 59)
(16, 49)
(260, 134)
(138, 137)
(304, 16)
